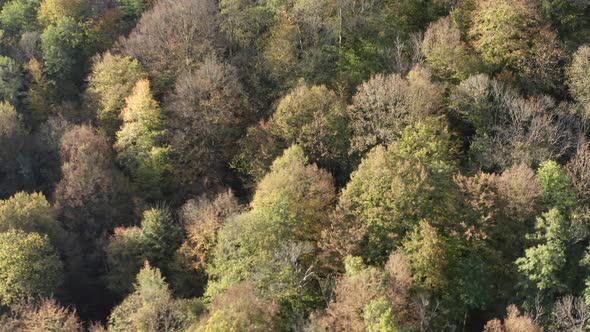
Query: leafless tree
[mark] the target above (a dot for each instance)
(570, 314)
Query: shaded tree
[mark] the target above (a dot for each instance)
(10, 80)
(12, 147)
(61, 44)
(208, 111)
(125, 253)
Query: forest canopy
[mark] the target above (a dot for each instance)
(295, 165)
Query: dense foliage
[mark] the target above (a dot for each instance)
(295, 165)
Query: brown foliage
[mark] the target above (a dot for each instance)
(386, 104)
(514, 322)
(202, 220)
(357, 289)
(520, 192)
(173, 36)
(87, 196)
(208, 112)
(48, 315)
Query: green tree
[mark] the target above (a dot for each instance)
(40, 97)
(557, 187)
(274, 243)
(18, 16)
(30, 213)
(29, 266)
(578, 78)
(150, 307)
(61, 44)
(139, 145)
(112, 79)
(125, 253)
(315, 118)
(52, 11)
(10, 80)
(501, 29)
(161, 235)
(446, 52)
(394, 188)
(543, 263)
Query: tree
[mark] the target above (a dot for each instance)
(578, 78)
(40, 97)
(52, 11)
(139, 145)
(286, 189)
(29, 266)
(91, 199)
(511, 129)
(12, 140)
(47, 315)
(208, 113)
(30, 213)
(543, 263)
(512, 35)
(514, 322)
(161, 236)
(394, 188)
(239, 309)
(62, 51)
(18, 16)
(112, 79)
(315, 118)
(273, 244)
(500, 29)
(578, 169)
(557, 186)
(367, 298)
(88, 198)
(10, 80)
(429, 254)
(150, 307)
(570, 314)
(446, 53)
(202, 220)
(172, 37)
(520, 192)
(384, 105)
(125, 253)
